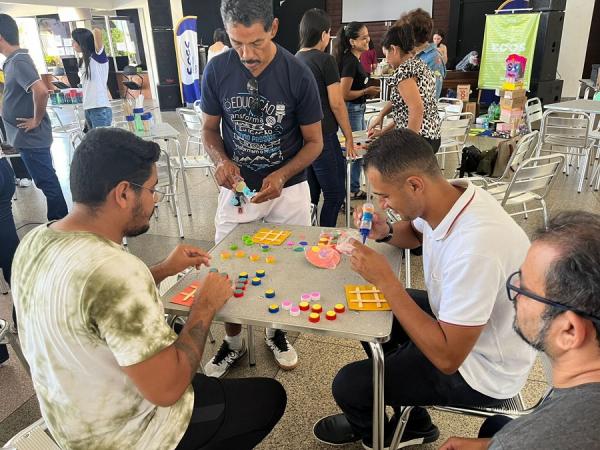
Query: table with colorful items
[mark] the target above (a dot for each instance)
(277, 281)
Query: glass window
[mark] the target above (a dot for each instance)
(55, 38)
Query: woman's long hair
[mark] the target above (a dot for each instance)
(342, 45)
(314, 22)
(85, 39)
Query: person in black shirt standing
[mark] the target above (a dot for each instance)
(327, 172)
(352, 40)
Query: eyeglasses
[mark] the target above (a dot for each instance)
(513, 289)
(252, 87)
(157, 195)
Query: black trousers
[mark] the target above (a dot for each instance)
(410, 380)
(232, 413)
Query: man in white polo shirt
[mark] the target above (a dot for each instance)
(453, 344)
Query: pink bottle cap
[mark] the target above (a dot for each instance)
(305, 297)
(315, 296)
(286, 304)
(294, 311)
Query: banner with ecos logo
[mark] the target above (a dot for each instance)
(186, 43)
(506, 34)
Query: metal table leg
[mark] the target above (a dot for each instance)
(251, 353)
(378, 400)
(348, 174)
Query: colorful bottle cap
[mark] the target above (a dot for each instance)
(305, 298)
(314, 317)
(213, 270)
(339, 308)
(317, 308)
(254, 257)
(240, 285)
(315, 248)
(303, 243)
(238, 293)
(290, 244)
(260, 273)
(270, 259)
(269, 293)
(304, 306)
(226, 275)
(286, 304)
(299, 249)
(331, 315)
(233, 247)
(315, 296)
(294, 311)
(255, 281)
(264, 248)
(225, 255)
(243, 275)
(274, 308)
(240, 254)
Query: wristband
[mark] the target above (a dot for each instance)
(389, 235)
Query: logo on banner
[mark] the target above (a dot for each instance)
(189, 66)
(186, 41)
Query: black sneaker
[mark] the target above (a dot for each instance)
(409, 437)
(334, 430)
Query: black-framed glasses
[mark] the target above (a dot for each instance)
(157, 195)
(513, 289)
(252, 87)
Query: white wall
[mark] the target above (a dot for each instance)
(576, 31)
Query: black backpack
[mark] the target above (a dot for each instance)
(471, 156)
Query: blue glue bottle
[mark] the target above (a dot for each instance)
(366, 222)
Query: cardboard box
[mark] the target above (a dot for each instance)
(501, 126)
(513, 103)
(517, 93)
(510, 115)
(463, 91)
(471, 107)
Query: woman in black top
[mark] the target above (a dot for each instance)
(327, 172)
(352, 40)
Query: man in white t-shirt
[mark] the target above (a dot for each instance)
(453, 344)
(107, 370)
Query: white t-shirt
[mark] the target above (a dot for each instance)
(212, 53)
(467, 260)
(85, 309)
(95, 91)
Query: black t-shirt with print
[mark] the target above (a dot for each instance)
(261, 140)
(352, 68)
(325, 70)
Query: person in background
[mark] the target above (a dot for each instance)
(107, 370)
(422, 25)
(413, 99)
(327, 173)
(368, 59)
(220, 42)
(8, 232)
(24, 115)
(352, 41)
(438, 38)
(555, 296)
(261, 123)
(93, 72)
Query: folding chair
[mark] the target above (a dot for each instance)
(8, 336)
(533, 112)
(449, 107)
(455, 130)
(192, 122)
(34, 437)
(531, 182)
(525, 148)
(118, 111)
(570, 133)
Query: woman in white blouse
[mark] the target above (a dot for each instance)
(220, 43)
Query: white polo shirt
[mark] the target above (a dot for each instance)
(467, 259)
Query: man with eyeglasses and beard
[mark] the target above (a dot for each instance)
(556, 296)
(261, 123)
(107, 370)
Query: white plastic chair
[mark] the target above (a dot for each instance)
(531, 182)
(524, 150)
(454, 133)
(449, 107)
(533, 112)
(192, 122)
(35, 437)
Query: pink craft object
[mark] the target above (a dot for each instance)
(324, 258)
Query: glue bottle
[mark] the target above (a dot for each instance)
(366, 222)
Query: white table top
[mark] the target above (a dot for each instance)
(161, 130)
(579, 105)
(290, 276)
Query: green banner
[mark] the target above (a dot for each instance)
(506, 34)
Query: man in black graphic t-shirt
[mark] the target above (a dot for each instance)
(267, 105)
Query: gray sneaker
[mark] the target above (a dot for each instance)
(285, 355)
(223, 360)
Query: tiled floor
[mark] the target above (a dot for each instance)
(308, 386)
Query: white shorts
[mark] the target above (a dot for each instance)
(292, 207)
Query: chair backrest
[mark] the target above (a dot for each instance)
(534, 175)
(565, 129)
(55, 121)
(525, 148)
(192, 121)
(164, 172)
(456, 128)
(449, 107)
(533, 111)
